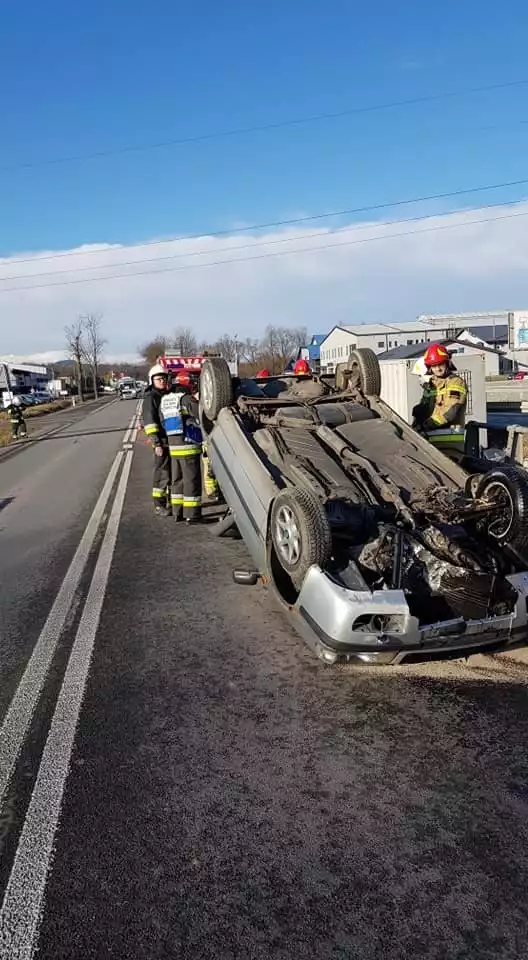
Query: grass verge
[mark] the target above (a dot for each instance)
(41, 410)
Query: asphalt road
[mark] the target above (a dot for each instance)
(186, 781)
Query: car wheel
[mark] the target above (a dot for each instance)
(300, 532)
(368, 367)
(508, 488)
(216, 387)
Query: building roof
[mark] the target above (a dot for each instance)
(404, 352)
(418, 349)
(496, 334)
(489, 333)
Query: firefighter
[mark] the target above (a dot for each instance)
(441, 412)
(15, 412)
(304, 386)
(180, 415)
(155, 431)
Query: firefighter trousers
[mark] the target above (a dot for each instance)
(18, 428)
(186, 492)
(210, 481)
(161, 479)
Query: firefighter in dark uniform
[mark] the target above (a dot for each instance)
(441, 413)
(155, 431)
(15, 411)
(179, 411)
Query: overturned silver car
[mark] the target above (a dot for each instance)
(382, 549)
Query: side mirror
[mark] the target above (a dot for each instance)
(247, 578)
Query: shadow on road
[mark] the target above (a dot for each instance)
(75, 436)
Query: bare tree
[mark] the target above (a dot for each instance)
(299, 338)
(155, 348)
(76, 350)
(184, 341)
(93, 344)
(269, 348)
(227, 346)
(250, 351)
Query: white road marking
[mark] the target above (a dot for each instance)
(128, 431)
(18, 717)
(130, 434)
(22, 908)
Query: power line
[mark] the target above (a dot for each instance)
(273, 223)
(264, 243)
(268, 256)
(261, 128)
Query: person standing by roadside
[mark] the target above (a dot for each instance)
(15, 411)
(156, 433)
(180, 417)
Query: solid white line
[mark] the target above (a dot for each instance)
(22, 908)
(18, 717)
(129, 429)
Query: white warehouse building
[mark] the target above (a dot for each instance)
(381, 337)
(21, 377)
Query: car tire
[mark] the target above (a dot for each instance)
(300, 532)
(369, 370)
(509, 486)
(216, 387)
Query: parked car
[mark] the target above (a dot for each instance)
(380, 547)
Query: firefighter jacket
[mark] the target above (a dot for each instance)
(16, 412)
(152, 423)
(180, 418)
(443, 403)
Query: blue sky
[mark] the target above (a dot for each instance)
(76, 79)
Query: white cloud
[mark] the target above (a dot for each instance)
(476, 266)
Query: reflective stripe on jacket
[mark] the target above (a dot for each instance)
(445, 400)
(152, 424)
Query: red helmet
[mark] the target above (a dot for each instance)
(301, 368)
(435, 355)
(183, 379)
(262, 373)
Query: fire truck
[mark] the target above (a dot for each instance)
(174, 363)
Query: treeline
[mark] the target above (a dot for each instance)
(273, 351)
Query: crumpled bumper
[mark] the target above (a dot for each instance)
(378, 627)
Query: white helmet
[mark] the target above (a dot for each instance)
(157, 371)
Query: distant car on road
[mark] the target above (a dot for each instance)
(128, 392)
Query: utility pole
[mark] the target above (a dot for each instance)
(8, 380)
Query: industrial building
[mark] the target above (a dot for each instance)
(495, 330)
(18, 377)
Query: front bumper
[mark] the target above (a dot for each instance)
(378, 627)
